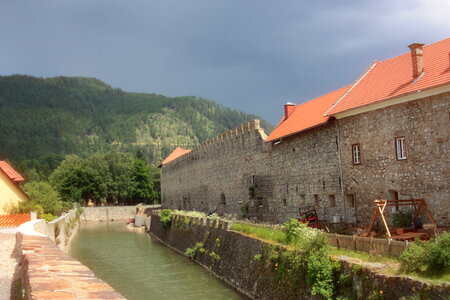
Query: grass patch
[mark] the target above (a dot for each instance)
(364, 256)
(267, 233)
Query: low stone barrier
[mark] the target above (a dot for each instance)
(49, 273)
(108, 213)
(248, 263)
(367, 244)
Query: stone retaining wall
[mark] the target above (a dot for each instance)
(49, 273)
(234, 261)
(108, 213)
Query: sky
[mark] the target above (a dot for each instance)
(251, 55)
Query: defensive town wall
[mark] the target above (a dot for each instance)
(239, 173)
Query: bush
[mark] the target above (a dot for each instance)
(432, 257)
(165, 217)
(439, 254)
(293, 229)
(402, 219)
(414, 258)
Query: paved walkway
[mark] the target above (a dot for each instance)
(7, 265)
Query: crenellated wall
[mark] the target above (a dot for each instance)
(237, 172)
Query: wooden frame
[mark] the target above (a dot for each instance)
(380, 206)
(404, 146)
(359, 154)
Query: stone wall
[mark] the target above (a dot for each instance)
(49, 273)
(238, 169)
(107, 213)
(63, 229)
(424, 174)
(234, 261)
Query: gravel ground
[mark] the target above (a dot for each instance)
(7, 264)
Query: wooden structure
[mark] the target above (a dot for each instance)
(380, 206)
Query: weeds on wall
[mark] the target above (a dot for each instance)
(165, 217)
(192, 252)
(245, 207)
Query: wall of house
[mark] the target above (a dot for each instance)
(238, 168)
(10, 194)
(425, 173)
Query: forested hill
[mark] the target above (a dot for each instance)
(45, 119)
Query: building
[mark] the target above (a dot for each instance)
(385, 136)
(10, 192)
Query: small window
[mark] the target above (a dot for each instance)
(356, 154)
(284, 202)
(303, 200)
(331, 200)
(400, 148)
(350, 200)
(316, 200)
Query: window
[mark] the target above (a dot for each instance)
(356, 154)
(332, 200)
(400, 148)
(350, 200)
(303, 200)
(316, 200)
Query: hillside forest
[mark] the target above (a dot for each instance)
(79, 140)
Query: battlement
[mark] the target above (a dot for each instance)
(237, 137)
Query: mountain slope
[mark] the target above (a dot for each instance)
(45, 119)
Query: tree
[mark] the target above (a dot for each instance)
(142, 187)
(43, 199)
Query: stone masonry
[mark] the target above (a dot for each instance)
(238, 169)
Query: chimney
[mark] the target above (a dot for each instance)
(417, 59)
(288, 109)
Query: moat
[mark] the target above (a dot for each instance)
(139, 267)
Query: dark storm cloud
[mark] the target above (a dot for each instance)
(250, 55)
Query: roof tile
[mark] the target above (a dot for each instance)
(10, 172)
(175, 154)
(14, 220)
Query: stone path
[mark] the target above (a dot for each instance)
(7, 264)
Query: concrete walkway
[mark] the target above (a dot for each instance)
(8, 265)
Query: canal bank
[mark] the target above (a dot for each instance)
(140, 267)
(264, 270)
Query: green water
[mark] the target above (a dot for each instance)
(139, 267)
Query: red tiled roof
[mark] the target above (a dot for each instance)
(10, 172)
(174, 155)
(393, 77)
(14, 220)
(306, 115)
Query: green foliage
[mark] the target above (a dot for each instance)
(432, 257)
(214, 255)
(43, 199)
(402, 219)
(165, 217)
(293, 229)
(320, 273)
(192, 252)
(245, 209)
(257, 257)
(439, 254)
(113, 178)
(187, 221)
(142, 186)
(414, 259)
(57, 116)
